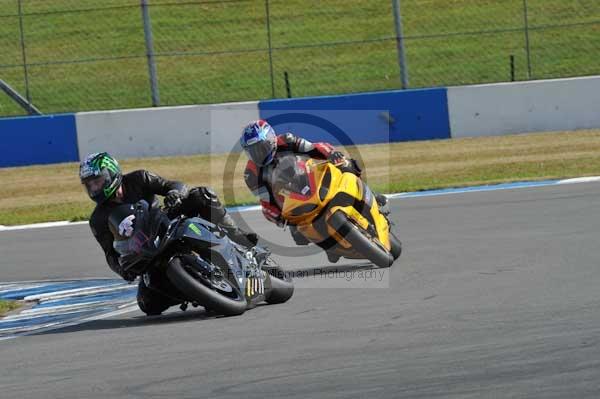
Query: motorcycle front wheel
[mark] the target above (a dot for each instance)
(196, 291)
(396, 245)
(360, 242)
(281, 286)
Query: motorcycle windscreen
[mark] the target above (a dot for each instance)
(134, 234)
(134, 245)
(290, 175)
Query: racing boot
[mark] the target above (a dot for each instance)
(236, 234)
(382, 202)
(333, 258)
(205, 202)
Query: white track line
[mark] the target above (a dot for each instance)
(77, 292)
(126, 308)
(589, 179)
(41, 225)
(46, 311)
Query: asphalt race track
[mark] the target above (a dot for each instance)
(496, 295)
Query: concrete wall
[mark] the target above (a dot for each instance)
(364, 118)
(360, 118)
(164, 131)
(482, 110)
(537, 106)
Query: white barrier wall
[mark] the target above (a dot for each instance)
(187, 130)
(505, 108)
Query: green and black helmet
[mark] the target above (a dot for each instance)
(101, 175)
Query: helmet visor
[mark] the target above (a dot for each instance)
(261, 153)
(95, 185)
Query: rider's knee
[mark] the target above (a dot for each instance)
(204, 196)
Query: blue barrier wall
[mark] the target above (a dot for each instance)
(38, 140)
(363, 118)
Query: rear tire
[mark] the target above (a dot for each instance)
(360, 243)
(195, 291)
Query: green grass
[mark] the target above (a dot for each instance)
(222, 52)
(53, 192)
(7, 306)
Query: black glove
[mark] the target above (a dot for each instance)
(241, 237)
(252, 237)
(173, 199)
(336, 157)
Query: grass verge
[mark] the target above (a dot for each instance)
(52, 192)
(7, 306)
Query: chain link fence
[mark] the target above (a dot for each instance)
(74, 55)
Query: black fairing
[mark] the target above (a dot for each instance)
(149, 230)
(206, 239)
(156, 239)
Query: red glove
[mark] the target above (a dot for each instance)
(324, 149)
(272, 213)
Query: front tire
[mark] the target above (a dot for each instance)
(360, 242)
(396, 246)
(282, 287)
(195, 291)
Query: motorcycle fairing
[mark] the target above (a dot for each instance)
(332, 190)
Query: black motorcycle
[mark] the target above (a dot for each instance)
(202, 265)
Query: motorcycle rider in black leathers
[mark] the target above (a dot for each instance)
(108, 187)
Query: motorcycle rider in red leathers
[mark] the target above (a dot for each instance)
(263, 146)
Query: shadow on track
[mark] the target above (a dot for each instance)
(135, 322)
(191, 315)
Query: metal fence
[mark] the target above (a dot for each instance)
(73, 55)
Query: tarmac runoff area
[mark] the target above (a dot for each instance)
(495, 295)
